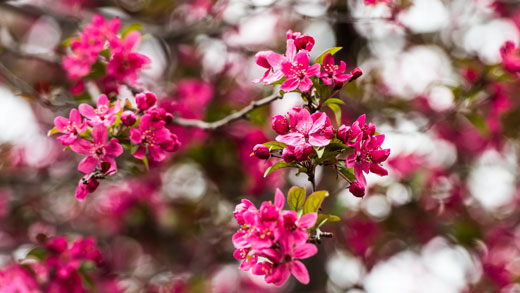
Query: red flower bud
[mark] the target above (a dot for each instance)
(261, 151)
(357, 189)
(145, 100)
(342, 133)
(356, 73)
(288, 154)
(280, 124)
(128, 118)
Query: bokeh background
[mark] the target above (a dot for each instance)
(446, 219)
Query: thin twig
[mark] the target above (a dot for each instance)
(228, 119)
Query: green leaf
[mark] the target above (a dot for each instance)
(319, 151)
(324, 218)
(97, 70)
(145, 161)
(337, 112)
(53, 131)
(38, 253)
(332, 51)
(277, 166)
(313, 202)
(130, 28)
(275, 145)
(105, 53)
(347, 172)
(296, 197)
(333, 101)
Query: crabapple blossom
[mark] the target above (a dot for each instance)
(157, 141)
(301, 41)
(510, 57)
(103, 114)
(307, 130)
(70, 127)
(332, 72)
(128, 118)
(280, 124)
(261, 151)
(145, 100)
(368, 157)
(98, 151)
(297, 73)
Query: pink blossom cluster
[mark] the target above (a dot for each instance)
(374, 2)
(295, 68)
(301, 132)
(368, 154)
(60, 267)
(100, 54)
(277, 236)
(88, 130)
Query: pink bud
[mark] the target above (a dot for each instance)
(280, 124)
(145, 100)
(343, 132)
(356, 73)
(172, 145)
(261, 151)
(128, 118)
(304, 42)
(357, 189)
(288, 154)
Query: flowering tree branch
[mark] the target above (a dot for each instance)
(228, 119)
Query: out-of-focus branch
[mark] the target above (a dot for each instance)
(228, 119)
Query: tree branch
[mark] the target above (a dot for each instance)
(228, 119)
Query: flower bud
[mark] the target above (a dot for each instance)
(261, 151)
(280, 124)
(145, 100)
(356, 73)
(128, 118)
(304, 42)
(172, 145)
(288, 154)
(357, 189)
(343, 133)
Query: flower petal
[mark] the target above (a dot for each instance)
(82, 146)
(113, 148)
(100, 134)
(279, 199)
(305, 250)
(308, 220)
(300, 272)
(87, 165)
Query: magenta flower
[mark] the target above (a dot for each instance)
(156, 141)
(332, 72)
(70, 127)
(298, 73)
(145, 100)
(273, 62)
(295, 227)
(285, 262)
(103, 114)
(307, 131)
(368, 158)
(125, 64)
(99, 151)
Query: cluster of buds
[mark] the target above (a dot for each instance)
(96, 134)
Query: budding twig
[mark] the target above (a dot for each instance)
(228, 119)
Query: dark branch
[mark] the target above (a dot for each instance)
(228, 119)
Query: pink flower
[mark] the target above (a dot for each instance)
(298, 73)
(99, 151)
(128, 118)
(332, 72)
(71, 127)
(159, 117)
(15, 278)
(357, 189)
(103, 114)
(307, 131)
(285, 262)
(510, 57)
(145, 100)
(261, 152)
(273, 62)
(368, 158)
(290, 154)
(295, 227)
(301, 41)
(374, 2)
(156, 141)
(125, 64)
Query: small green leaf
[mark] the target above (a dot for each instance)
(324, 218)
(53, 131)
(337, 112)
(277, 166)
(275, 145)
(332, 51)
(333, 101)
(145, 161)
(347, 172)
(130, 28)
(314, 201)
(319, 151)
(67, 42)
(296, 197)
(105, 53)
(97, 70)
(38, 253)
